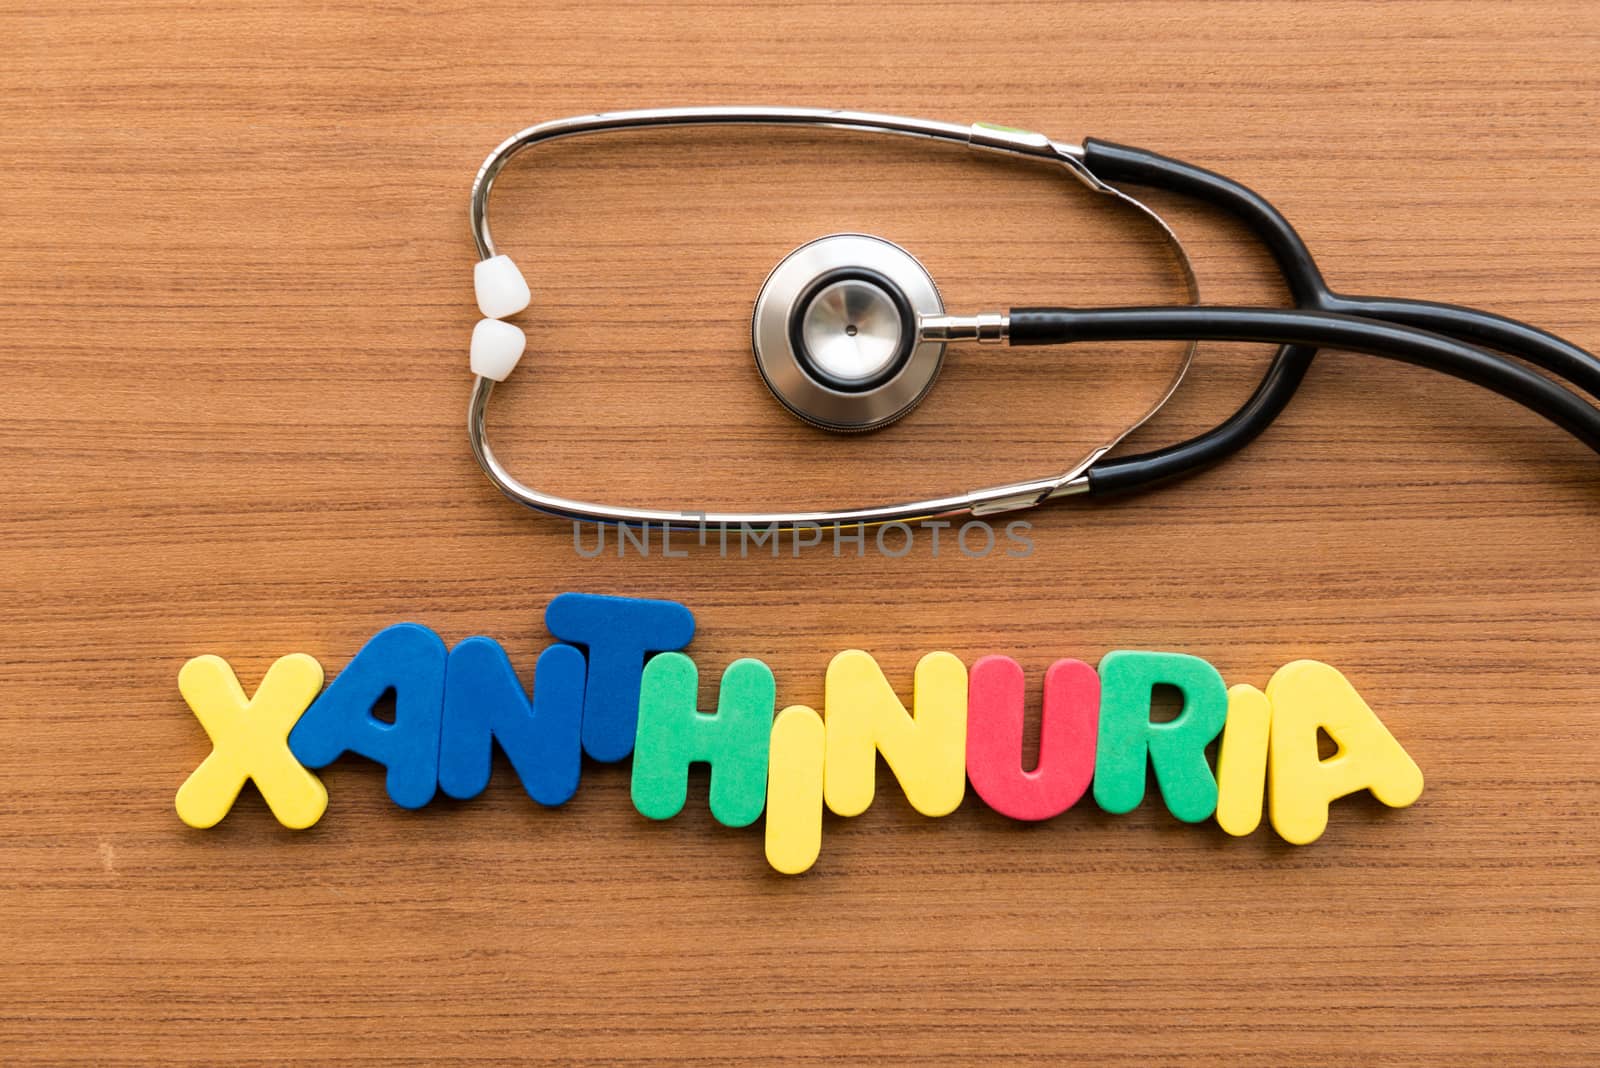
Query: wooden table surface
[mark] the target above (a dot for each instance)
(234, 309)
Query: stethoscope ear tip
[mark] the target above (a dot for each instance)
(501, 291)
(500, 287)
(496, 348)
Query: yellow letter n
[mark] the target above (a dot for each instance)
(926, 750)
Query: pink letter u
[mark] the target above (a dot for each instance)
(1068, 729)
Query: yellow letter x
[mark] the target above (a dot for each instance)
(250, 740)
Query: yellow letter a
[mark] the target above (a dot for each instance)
(1306, 695)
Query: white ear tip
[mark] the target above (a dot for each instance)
(501, 289)
(496, 348)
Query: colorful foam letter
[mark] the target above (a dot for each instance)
(673, 734)
(1242, 760)
(926, 749)
(1067, 732)
(410, 660)
(1177, 749)
(484, 703)
(249, 740)
(794, 790)
(619, 633)
(1306, 695)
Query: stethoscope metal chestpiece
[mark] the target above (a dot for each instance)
(837, 332)
(849, 331)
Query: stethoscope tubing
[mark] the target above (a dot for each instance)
(1307, 328)
(1117, 165)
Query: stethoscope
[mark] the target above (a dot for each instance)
(849, 330)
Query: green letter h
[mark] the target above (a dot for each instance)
(673, 734)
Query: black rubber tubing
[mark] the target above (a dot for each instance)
(1298, 326)
(1120, 164)
(1481, 328)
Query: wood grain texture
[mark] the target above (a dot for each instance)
(234, 304)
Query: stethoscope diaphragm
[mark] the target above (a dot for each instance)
(836, 332)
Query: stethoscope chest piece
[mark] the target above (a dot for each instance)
(836, 332)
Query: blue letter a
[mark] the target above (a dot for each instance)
(408, 659)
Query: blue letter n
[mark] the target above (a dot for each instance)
(484, 703)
